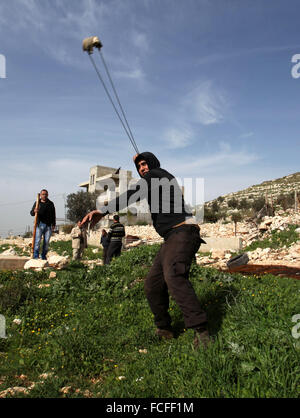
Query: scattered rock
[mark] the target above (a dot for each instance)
(13, 391)
(10, 251)
(65, 390)
(134, 244)
(57, 261)
(137, 235)
(217, 254)
(35, 264)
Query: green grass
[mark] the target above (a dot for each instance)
(65, 248)
(19, 251)
(277, 239)
(87, 328)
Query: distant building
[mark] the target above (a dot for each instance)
(109, 179)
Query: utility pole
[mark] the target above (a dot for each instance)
(272, 208)
(64, 197)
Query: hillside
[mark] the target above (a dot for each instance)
(270, 188)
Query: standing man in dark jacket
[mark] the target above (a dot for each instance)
(45, 223)
(170, 270)
(115, 235)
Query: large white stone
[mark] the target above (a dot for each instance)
(57, 261)
(35, 264)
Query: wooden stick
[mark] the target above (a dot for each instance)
(35, 224)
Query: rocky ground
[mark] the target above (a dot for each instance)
(247, 231)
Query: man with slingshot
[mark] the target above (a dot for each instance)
(169, 273)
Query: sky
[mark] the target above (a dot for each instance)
(208, 86)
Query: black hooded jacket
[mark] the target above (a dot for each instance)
(162, 193)
(46, 213)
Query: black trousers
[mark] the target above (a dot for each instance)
(104, 254)
(114, 250)
(169, 274)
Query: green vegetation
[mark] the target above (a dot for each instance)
(248, 207)
(79, 204)
(65, 248)
(92, 331)
(277, 239)
(67, 228)
(286, 201)
(19, 251)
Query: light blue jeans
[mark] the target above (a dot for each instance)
(42, 230)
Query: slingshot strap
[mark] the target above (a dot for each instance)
(128, 131)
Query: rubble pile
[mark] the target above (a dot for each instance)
(145, 234)
(249, 232)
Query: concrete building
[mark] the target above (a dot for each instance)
(110, 182)
(100, 174)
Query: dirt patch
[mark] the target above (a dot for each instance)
(258, 269)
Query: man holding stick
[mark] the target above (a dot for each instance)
(170, 270)
(46, 221)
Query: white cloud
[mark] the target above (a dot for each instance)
(178, 138)
(140, 41)
(246, 135)
(223, 160)
(205, 104)
(62, 40)
(134, 74)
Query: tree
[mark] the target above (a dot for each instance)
(79, 204)
(244, 204)
(258, 204)
(236, 217)
(215, 207)
(210, 215)
(233, 203)
(285, 200)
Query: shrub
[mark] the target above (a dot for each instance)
(67, 228)
(285, 201)
(233, 203)
(211, 216)
(258, 204)
(244, 204)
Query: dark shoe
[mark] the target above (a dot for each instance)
(201, 338)
(166, 334)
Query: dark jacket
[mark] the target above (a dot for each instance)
(104, 241)
(46, 213)
(166, 202)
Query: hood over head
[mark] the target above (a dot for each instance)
(150, 159)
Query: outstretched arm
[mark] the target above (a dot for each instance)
(93, 217)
